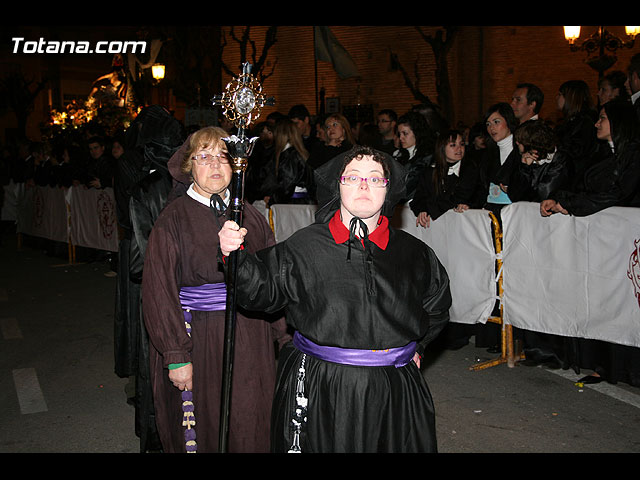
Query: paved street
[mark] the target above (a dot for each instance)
(58, 391)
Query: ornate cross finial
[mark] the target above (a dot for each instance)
(243, 100)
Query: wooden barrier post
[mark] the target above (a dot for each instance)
(508, 354)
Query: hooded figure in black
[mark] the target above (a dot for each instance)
(364, 300)
(143, 186)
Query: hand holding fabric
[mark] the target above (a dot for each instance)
(549, 207)
(423, 219)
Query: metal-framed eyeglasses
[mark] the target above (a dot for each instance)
(209, 159)
(355, 181)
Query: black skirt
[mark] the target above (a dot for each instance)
(352, 409)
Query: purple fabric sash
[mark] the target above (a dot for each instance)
(300, 195)
(398, 356)
(206, 298)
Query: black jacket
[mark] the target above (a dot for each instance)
(612, 181)
(292, 171)
(536, 182)
(456, 190)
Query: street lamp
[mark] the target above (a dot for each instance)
(601, 41)
(157, 72)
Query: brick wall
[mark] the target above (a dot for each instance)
(485, 65)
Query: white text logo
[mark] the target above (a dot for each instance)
(69, 46)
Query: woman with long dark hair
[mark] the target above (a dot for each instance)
(449, 185)
(417, 143)
(499, 156)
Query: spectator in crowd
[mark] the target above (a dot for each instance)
(615, 179)
(450, 184)
(527, 101)
(43, 164)
(417, 146)
(476, 141)
(300, 115)
(542, 170)
(117, 147)
(432, 114)
(101, 165)
(68, 170)
(23, 167)
(387, 124)
(288, 178)
(262, 153)
(633, 82)
(576, 132)
(612, 86)
(500, 155)
(338, 139)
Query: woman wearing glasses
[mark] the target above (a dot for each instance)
(183, 305)
(350, 381)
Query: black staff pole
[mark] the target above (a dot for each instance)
(241, 103)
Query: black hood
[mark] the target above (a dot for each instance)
(327, 178)
(156, 134)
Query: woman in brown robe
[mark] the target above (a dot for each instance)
(187, 338)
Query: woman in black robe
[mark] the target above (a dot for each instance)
(365, 300)
(184, 300)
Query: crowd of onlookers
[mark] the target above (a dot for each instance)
(581, 164)
(584, 162)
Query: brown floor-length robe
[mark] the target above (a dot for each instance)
(182, 251)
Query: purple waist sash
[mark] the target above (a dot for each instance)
(398, 356)
(206, 298)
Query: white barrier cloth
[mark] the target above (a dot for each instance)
(573, 276)
(42, 212)
(464, 244)
(93, 218)
(288, 218)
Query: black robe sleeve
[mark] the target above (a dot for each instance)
(329, 299)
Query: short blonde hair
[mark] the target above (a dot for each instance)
(207, 137)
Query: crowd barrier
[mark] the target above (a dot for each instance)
(563, 275)
(78, 216)
(573, 276)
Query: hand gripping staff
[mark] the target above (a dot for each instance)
(241, 103)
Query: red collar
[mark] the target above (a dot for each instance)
(340, 233)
